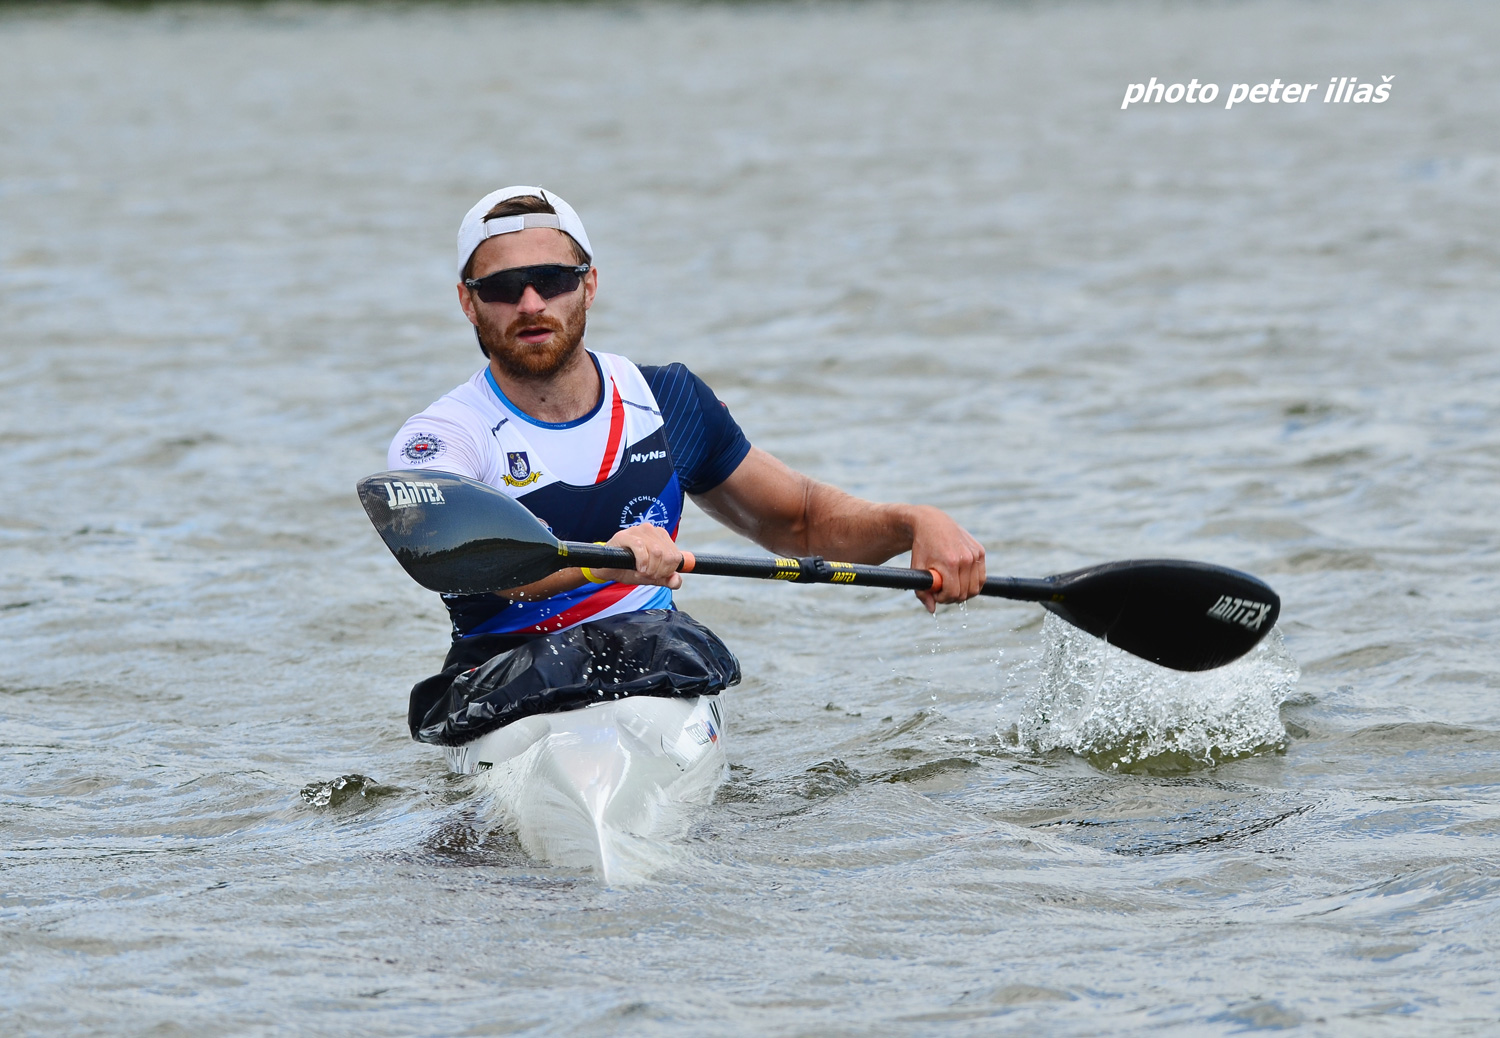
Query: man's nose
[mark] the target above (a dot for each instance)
(531, 301)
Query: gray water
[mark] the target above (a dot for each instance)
(922, 254)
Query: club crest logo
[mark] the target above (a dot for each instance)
(644, 509)
(521, 473)
(421, 448)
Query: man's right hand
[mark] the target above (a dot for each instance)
(657, 557)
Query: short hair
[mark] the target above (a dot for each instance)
(515, 207)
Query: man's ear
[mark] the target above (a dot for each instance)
(466, 303)
(590, 286)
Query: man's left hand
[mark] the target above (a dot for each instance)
(938, 543)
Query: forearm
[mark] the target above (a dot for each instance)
(790, 513)
(556, 584)
(785, 511)
(826, 521)
(657, 561)
(850, 529)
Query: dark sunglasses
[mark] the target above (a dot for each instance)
(508, 286)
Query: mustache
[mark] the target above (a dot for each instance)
(520, 324)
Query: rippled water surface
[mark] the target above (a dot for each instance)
(922, 253)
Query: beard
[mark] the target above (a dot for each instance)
(526, 361)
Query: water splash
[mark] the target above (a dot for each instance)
(1125, 714)
(352, 790)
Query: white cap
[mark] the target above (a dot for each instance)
(475, 228)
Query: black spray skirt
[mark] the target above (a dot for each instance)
(652, 652)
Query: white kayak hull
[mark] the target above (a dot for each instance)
(604, 788)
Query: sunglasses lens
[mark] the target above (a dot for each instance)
(504, 287)
(508, 286)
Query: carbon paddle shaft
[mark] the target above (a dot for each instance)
(458, 536)
(1179, 614)
(811, 569)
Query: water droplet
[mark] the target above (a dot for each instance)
(1124, 713)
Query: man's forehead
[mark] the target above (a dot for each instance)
(522, 249)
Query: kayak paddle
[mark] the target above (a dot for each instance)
(458, 536)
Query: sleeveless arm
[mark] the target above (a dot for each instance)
(789, 513)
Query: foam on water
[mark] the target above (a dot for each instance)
(1126, 714)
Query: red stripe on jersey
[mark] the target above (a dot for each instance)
(616, 433)
(595, 603)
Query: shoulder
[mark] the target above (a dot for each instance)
(673, 378)
(450, 433)
(628, 375)
(674, 385)
(666, 372)
(470, 404)
(706, 442)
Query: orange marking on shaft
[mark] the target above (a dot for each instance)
(937, 581)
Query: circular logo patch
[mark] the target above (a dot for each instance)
(643, 509)
(422, 447)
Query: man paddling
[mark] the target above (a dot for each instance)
(599, 449)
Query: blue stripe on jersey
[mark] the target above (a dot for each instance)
(661, 600)
(706, 442)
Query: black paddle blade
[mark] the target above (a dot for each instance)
(457, 535)
(1183, 615)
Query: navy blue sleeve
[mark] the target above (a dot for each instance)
(706, 442)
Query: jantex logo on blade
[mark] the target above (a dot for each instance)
(1242, 611)
(407, 495)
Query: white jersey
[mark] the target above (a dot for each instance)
(585, 479)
